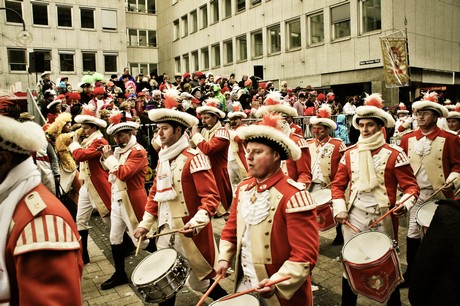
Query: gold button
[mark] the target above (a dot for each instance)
(268, 259)
(269, 221)
(37, 205)
(267, 233)
(267, 246)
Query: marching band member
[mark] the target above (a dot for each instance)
(237, 165)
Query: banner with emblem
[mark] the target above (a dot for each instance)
(395, 59)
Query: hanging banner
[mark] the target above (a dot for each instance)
(395, 60)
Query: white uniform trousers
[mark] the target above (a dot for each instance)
(85, 209)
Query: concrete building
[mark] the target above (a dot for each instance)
(328, 44)
(72, 38)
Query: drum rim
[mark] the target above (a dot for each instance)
(319, 191)
(244, 295)
(162, 275)
(429, 203)
(362, 233)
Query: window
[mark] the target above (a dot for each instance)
(152, 38)
(205, 58)
(274, 39)
(109, 19)
(64, 14)
(215, 11)
(11, 16)
(110, 62)
(177, 64)
(184, 25)
(151, 9)
(240, 5)
(227, 8)
(186, 60)
(141, 6)
(371, 15)
(194, 21)
(17, 59)
(316, 28)
(340, 19)
(215, 55)
(138, 68)
(293, 34)
(228, 51)
(176, 29)
(66, 61)
(87, 18)
(257, 44)
(143, 38)
(255, 2)
(242, 48)
(196, 62)
(204, 16)
(47, 56)
(89, 61)
(40, 14)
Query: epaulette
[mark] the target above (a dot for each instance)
(396, 147)
(199, 162)
(302, 143)
(222, 133)
(350, 147)
(298, 135)
(193, 151)
(402, 159)
(300, 201)
(452, 132)
(300, 186)
(35, 203)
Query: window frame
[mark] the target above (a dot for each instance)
(362, 22)
(106, 55)
(66, 53)
(270, 45)
(239, 39)
(59, 14)
(14, 18)
(204, 20)
(94, 57)
(81, 19)
(196, 60)
(254, 45)
(216, 60)
(184, 25)
(193, 21)
(228, 46)
(36, 5)
(205, 60)
(288, 24)
(103, 25)
(310, 28)
(214, 5)
(243, 7)
(22, 63)
(336, 25)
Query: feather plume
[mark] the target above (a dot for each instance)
(88, 110)
(116, 117)
(374, 100)
(431, 96)
(272, 98)
(56, 127)
(212, 102)
(272, 120)
(457, 107)
(171, 96)
(324, 111)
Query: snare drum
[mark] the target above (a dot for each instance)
(372, 265)
(160, 275)
(324, 211)
(246, 300)
(425, 214)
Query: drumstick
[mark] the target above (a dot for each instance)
(352, 227)
(139, 242)
(437, 191)
(209, 290)
(282, 279)
(389, 212)
(175, 231)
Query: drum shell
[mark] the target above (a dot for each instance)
(424, 215)
(243, 300)
(324, 210)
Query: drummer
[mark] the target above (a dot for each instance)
(272, 230)
(325, 153)
(374, 170)
(434, 156)
(183, 195)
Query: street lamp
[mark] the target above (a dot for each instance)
(24, 36)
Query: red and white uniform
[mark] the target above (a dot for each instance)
(280, 238)
(435, 159)
(43, 255)
(300, 170)
(237, 164)
(296, 129)
(215, 145)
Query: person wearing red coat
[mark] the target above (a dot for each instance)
(237, 165)
(40, 259)
(184, 196)
(95, 190)
(434, 157)
(272, 230)
(128, 168)
(214, 141)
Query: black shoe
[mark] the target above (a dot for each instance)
(337, 241)
(115, 280)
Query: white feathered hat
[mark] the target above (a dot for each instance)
(430, 102)
(117, 123)
(20, 137)
(454, 114)
(372, 108)
(272, 104)
(323, 118)
(211, 107)
(88, 116)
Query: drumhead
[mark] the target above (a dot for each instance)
(154, 266)
(425, 213)
(243, 300)
(366, 247)
(322, 196)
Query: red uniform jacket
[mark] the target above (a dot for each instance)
(300, 170)
(43, 255)
(331, 158)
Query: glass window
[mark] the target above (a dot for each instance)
(64, 15)
(215, 11)
(152, 38)
(89, 61)
(17, 59)
(227, 8)
(316, 28)
(205, 58)
(177, 64)
(242, 48)
(184, 25)
(204, 16)
(176, 29)
(340, 18)
(274, 39)
(240, 5)
(66, 61)
(47, 59)
(371, 13)
(142, 38)
(87, 18)
(294, 36)
(151, 8)
(11, 16)
(215, 55)
(110, 62)
(131, 5)
(196, 62)
(257, 44)
(228, 52)
(132, 37)
(194, 21)
(109, 19)
(255, 2)
(186, 62)
(40, 14)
